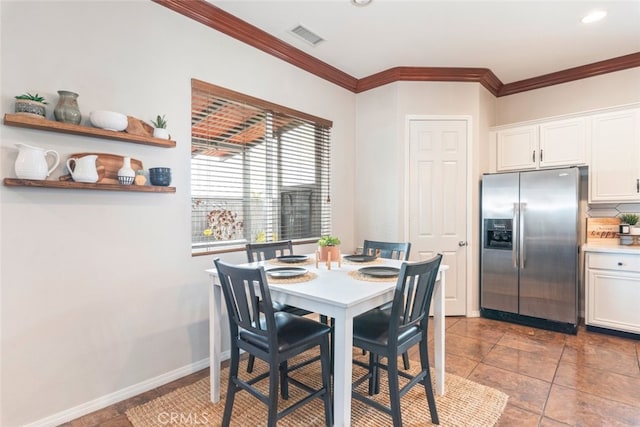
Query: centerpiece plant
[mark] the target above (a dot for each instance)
(328, 246)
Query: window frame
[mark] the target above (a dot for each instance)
(324, 221)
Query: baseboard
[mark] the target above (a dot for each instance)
(474, 313)
(125, 393)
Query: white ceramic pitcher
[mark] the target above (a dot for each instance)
(84, 169)
(32, 162)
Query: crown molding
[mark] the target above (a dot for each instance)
(216, 18)
(571, 74)
(484, 76)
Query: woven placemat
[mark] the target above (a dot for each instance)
(374, 262)
(359, 276)
(465, 403)
(309, 275)
(307, 261)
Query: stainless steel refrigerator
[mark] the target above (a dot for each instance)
(530, 242)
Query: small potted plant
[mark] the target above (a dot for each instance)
(329, 245)
(31, 105)
(160, 127)
(631, 220)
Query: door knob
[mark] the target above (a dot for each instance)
(461, 243)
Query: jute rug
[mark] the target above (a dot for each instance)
(465, 404)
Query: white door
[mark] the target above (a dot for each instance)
(437, 198)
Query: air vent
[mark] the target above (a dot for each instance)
(307, 35)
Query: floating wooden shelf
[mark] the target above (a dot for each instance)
(53, 126)
(13, 182)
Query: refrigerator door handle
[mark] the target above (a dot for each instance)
(514, 248)
(523, 207)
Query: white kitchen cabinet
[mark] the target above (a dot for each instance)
(551, 144)
(516, 148)
(613, 291)
(614, 173)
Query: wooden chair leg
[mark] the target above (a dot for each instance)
(284, 381)
(428, 387)
(272, 417)
(405, 361)
(250, 363)
(394, 391)
(373, 374)
(231, 386)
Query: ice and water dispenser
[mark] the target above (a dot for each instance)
(498, 233)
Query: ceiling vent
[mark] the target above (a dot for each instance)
(307, 35)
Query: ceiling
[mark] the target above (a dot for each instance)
(516, 40)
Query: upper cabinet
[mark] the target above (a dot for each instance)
(551, 144)
(614, 172)
(516, 148)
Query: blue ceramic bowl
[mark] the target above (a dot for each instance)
(160, 176)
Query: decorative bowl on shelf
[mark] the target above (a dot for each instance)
(108, 120)
(160, 176)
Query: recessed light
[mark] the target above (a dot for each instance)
(594, 16)
(360, 2)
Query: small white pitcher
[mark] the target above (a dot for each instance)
(32, 162)
(84, 169)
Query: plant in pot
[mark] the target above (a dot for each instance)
(631, 220)
(160, 127)
(329, 245)
(31, 105)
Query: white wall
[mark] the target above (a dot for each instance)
(607, 90)
(99, 290)
(380, 156)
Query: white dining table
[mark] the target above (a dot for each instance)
(336, 294)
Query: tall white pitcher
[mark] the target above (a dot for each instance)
(32, 162)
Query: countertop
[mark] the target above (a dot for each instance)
(611, 246)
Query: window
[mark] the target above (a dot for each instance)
(259, 171)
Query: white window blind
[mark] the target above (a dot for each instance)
(259, 171)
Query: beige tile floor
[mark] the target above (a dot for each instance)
(589, 379)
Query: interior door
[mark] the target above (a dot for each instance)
(437, 197)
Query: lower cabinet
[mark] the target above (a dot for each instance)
(613, 291)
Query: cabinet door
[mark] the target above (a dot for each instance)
(563, 143)
(517, 148)
(612, 300)
(614, 173)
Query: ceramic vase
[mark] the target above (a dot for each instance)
(160, 133)
(126, 174)
(67, 110)
(326, 251)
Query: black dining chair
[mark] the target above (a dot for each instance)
(389, 333)
(264, 252)
(391, 250)
(272, 336)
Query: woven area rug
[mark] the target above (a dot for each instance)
(465, 403)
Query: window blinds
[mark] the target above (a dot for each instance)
(259, 171)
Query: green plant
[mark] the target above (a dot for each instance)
(328, 241)
(629, 218)
(160, 122)
(37, 98)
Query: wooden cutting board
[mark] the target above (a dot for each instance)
(111, 163)
(602, 229)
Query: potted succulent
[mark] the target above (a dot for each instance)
(329, 245)
(160, 127)
(631, 220)
(31, 105)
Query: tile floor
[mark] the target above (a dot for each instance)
(553, 379)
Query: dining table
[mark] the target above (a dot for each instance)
(337, 290)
